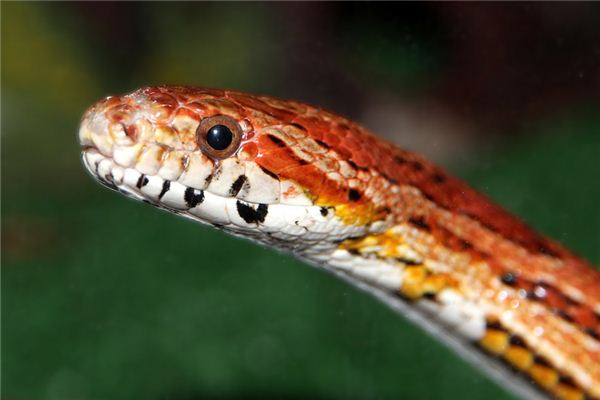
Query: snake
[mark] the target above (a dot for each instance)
(303, 180)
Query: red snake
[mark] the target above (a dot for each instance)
(304, 180)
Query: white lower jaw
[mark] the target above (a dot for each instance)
(303, 228)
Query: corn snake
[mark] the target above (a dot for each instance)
(307, 181)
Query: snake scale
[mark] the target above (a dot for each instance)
(304, 180)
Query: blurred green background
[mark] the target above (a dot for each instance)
(105, 298)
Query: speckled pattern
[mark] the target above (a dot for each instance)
(324, 188)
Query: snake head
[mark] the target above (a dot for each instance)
(256, 166)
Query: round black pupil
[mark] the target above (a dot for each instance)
(219, 137)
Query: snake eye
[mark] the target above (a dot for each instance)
(219, 136)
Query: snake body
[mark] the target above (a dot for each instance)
(322, 187)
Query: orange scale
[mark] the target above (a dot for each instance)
(163, 99)
(220, 106)
(361, 158)
(111, 101)
(312, 124)
(181, 112)
(354, 144)
(555, 300)
(250, 150)
(275, 160)
(312, 179)
(583, 316)
(196, 107)
(331, 139)
(259, 105)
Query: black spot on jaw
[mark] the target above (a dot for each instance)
(142, 181)
(165, 188)
(353, 195)
(193, 197)
(276, 140)
(420, 223)
(208, 179)
(108, 182)
(250, 215)
(271, 174)
(237, 185)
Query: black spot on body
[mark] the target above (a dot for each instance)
(417, 166)
(540, 360)
(271, 174)
(237, 185)
(571, 301)
(408, 261)
(276, 140)
(563, 314)
(298, 126)
(465, 244)
(142, 181)
(322, 143)
(567, 380)
(400, 159)
(438, 178)
(250, 215)
(165, 188)
(509, 279)
(542, 248)
(420, 222)
(516, 340)
(193, 197)
(390, 180)
(495, 325)
(353, 195)
(592, 332)
(428, 197)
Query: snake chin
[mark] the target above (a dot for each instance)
(304, 229)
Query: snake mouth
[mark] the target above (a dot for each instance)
(253, 220)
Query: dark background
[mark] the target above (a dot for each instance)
(105, 298)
